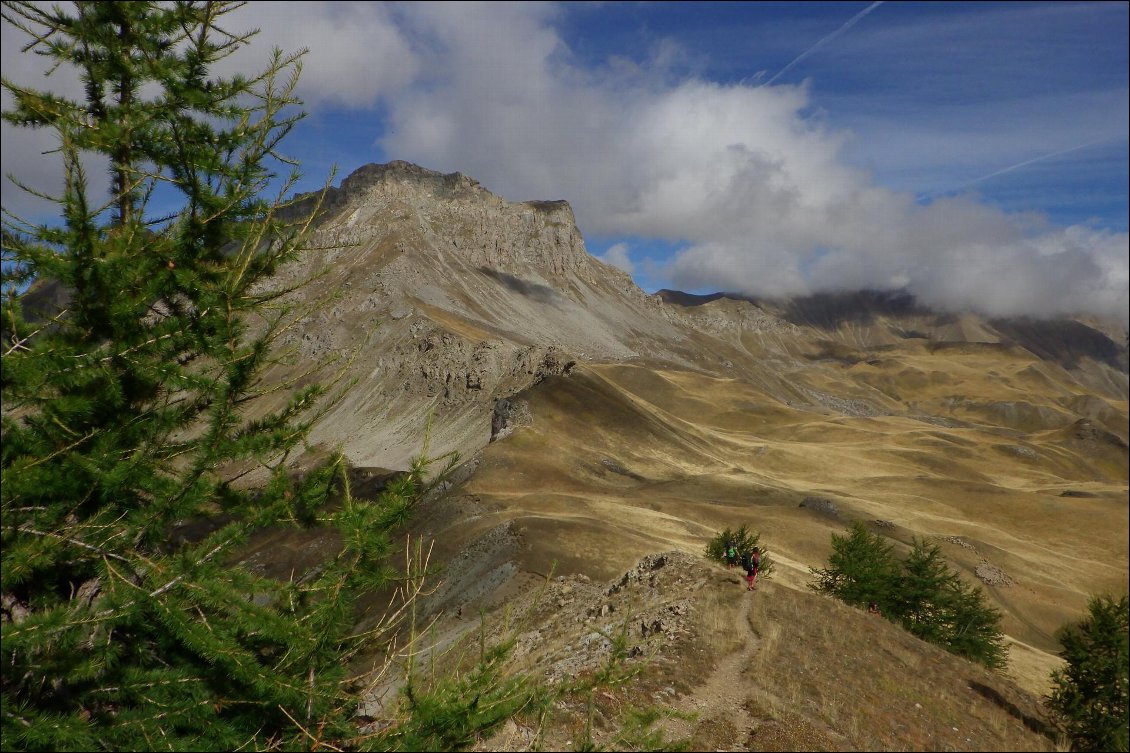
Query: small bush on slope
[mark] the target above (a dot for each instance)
(745, 539)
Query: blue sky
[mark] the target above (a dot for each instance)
(973, 153)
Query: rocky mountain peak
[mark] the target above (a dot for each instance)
(477, 297)
(457, 217)
(406, 174)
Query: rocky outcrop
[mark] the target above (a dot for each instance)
(654, 598)
(1085, 430)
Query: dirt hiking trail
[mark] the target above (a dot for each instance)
(721, 699)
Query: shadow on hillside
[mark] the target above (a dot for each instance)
(828, 311)
(537, 291)
(825, 311)
(1032, 722)
(1064, 341)
(691, 300)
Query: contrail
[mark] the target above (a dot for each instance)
(1019, 165)
(852, 22)
(1025, 163)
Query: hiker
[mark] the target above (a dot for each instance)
(731, 555)
(751, 561)
(873, 608)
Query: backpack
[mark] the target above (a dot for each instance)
(747, 561)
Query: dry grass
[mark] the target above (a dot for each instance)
(943, 433)
(871, 686)
(780, 669)
(716, 623)
(690, 462)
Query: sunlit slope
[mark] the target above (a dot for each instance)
(625, 459)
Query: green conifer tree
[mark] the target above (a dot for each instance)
(933, 602)
(974, 627)
(920, 592)
(861, 569)
(131, 406)
(1090, 695)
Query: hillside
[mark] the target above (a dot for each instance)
(779, 669)
(599, 425)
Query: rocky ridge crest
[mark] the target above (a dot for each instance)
(463, 298)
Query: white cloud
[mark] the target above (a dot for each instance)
(30, 155)
(618, 256)
(357, 53)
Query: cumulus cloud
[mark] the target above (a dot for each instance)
(356, 55)
(356, 52)
(29, 154)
